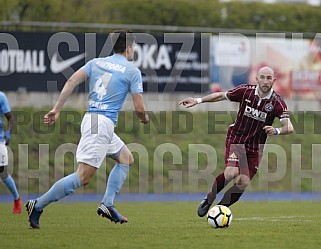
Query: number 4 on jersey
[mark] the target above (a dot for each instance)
(101, 85)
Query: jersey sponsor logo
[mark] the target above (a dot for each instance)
(255, 114)
(268, 107)
(233, 158)
(59, 66)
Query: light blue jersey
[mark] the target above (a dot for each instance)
(110, 79)
(4, 108)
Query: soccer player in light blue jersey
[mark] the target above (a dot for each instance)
(4, 142)
(110, 79)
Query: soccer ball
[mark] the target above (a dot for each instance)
(219, 216)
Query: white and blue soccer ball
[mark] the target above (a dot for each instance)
(219, 216)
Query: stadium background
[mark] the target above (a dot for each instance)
(169, 156)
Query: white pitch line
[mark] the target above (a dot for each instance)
(278, 218)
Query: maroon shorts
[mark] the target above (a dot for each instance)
(247, 161)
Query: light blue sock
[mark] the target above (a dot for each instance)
(115, 180)
(59, 190)
(12, 187)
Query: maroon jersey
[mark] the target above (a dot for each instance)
(254, 113)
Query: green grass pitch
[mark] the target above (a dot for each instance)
(268, 224)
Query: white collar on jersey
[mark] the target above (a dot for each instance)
(266, 97)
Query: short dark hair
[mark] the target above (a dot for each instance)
(121, 39)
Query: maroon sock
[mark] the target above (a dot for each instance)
(231, 196)
(218, 185)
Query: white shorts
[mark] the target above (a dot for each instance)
(98, 140)
(3, 155)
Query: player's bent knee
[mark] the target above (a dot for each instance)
(85, 173)
(127, 160)
(85, 178)
(243, 185)
(84, 181)
(243, 181)
(125, 157)
(228, 176)
(131, 160)
(230, 173)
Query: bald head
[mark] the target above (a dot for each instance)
(266, 70)
(265, 79)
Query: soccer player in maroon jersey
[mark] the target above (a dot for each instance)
(259, 106)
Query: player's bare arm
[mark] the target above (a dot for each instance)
(77, 78)
(286, 128)
(10, 123)
(213, 97)
(140, 108)
(10, 120)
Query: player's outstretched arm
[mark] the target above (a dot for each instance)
(286, 128)
(77, 78)
(139, 107)
(214, 97)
